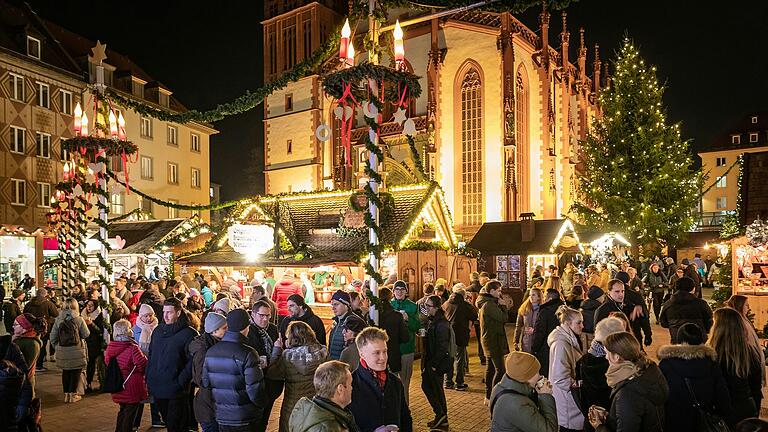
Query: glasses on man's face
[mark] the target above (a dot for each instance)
(267, 316)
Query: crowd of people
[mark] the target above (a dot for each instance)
(198, 355)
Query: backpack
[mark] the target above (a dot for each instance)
(452, 348)
(69, 333)
(113, 377)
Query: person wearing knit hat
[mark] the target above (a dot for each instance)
(410, 311)
(512, 396)
(588, 309)
(223, 306)
(340, 304)
(215, 328)
(300, 311)
(231, 371)
(12, 309)
(352, 327)
(215, 321)
(684, 307)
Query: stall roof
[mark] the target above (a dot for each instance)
(142, 236)
(228, 257)
(312, 219)
(505, 238)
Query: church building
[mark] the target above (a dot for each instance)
(498, 122)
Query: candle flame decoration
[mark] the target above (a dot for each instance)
(120, 126)
(344, 42)
(78, 119)
(112, 124)
(399, 50)
(84, 125)
(351, 55)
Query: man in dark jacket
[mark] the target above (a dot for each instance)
(546, 321)
(262, 336)
(153, 298)
(340, 306)
(232, 372)
(473, 291)
(300, 311)
(639, 319)
(437, 361)
(588, 309)
(377, 395)
(493, 316)
(460, 314)
(684, 307)
(392, 322)
(215, 327)
(42, 307)
(690, 272)
(12, 309)
(169, 370)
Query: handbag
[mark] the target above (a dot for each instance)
(708, 421)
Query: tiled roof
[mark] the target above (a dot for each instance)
(503, 238)
(141, 236)
(743, 127)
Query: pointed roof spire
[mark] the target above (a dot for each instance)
(596, 76)
(582, 47)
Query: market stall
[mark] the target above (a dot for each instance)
(513, 250)
(750, 269)
(322, 238)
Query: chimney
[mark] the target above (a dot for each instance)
(527, 227)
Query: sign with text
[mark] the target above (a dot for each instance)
(250, 239)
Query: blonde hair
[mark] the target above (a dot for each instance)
(300, 333)
(730, 337)
(566, 314)
(121, 328)
(370, 334)
(527, 305)
(608, 326)
(328, 376)
(72, 305)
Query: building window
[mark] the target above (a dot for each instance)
(145, 206)
(754, 119)
(173, 173)
(44, 191)
(272, 48)
(18, 192)
(117, 203)
(43, 145)
(173, 135)
(753, 137)
(289, 42)
(196, 178)
(137, 89)
(721, 182)
(735, 139)
(173, 212)
(146, 127)
(289, 102)
(33, 47)
(521, 135)
(289, 145)
(306, 29)
(146, 168)
(116, 163)
(163, 99)
(195, 143)
(43, 95)
(16, 87)
(471, 149)
(18, 139)
(721, 161)
(64, 153)
(66, 102)
(721, 203)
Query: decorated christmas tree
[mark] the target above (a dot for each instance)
(638, 177)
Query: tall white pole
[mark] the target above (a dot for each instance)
(373, 159)
(100, 90)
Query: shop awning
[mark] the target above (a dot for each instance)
(226, 257)
(508, 238)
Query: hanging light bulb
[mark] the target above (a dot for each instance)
(78, 119)
(112, 124)
(399, 49)
(84, 125)
(344, 42)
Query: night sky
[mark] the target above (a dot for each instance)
(712, 58)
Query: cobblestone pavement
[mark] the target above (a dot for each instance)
(466, 411)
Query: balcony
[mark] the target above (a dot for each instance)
(711, 221)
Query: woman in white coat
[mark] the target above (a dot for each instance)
(564, 351)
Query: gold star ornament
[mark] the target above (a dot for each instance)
(99, 53)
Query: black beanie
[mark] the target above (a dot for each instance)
(594, 292)
(237, 320)
(623, 276)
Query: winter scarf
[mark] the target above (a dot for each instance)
(597, 349)
(268, 342)
(90, 315)
(146, 329)
(379, 376)
(619, 372)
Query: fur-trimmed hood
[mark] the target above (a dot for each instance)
(686, 352)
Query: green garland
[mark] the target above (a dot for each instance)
(244, 103)
(182, 236)
(158, 201)
(423, 245)
(360, 7)
(416, 156)
(136, 211)
(93, 145)
(334, 84)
